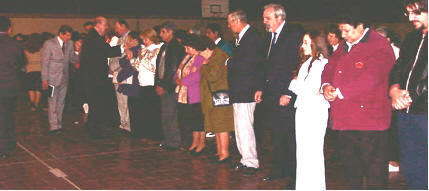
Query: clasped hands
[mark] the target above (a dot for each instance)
(400, 98)
(283, 101)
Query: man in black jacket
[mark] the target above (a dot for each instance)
(103, 110)
(168, 60)
(244, 76)
(282, 44)
(12, 58)
(409, 94)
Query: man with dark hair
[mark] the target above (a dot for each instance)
(282, 47)
(11, 60)
(88, 25)
(168, 60)
(334, 37)
(57, 55)
(355, 82)
(245, 70)
(409, 93)
(121, 28)
(214, 33)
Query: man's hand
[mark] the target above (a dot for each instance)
(284, 100)
(129, 43)
(44, 84)
(258, 96)
(400, 98)
(159, 90)
(329, 93)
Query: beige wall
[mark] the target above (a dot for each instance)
(28, 25)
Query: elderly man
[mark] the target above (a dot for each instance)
(100, 93)
(355, 81)
(282, 47)
(244, 74)
(409, 95)
(57, 55)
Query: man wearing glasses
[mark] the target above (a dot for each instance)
(409, 79)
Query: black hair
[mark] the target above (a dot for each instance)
(135, 35)
(194, 41)
(420, 5)
(65, 29)
(334, 30)
(354, 18)
(122, 21)
(214, 27)
(88, 23)
(168, 25)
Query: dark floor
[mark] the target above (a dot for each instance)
(72, 160)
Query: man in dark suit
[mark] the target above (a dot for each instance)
(355, 81)
(244, 74)
(168, 60)
(282, 44)
(12, 58)
(103, 110)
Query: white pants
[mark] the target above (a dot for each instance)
(123, 109)
(244, 133)
(310, 133)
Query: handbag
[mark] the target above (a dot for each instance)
(220, 98)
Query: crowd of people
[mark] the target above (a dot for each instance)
(175, 86)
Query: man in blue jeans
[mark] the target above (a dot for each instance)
(409, 95)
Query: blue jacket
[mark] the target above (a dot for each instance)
(126, 72)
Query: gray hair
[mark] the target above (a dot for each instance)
(238, 14)
(279, 10)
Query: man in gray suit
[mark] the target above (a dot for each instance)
(57, 54)
(121, 27)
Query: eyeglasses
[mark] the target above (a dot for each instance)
(416, 12)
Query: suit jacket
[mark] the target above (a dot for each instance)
(245, 68)
(55, 64)
(173, 56)
(225, 46)
(94, 54)
(12, 59)
(362, 76)
(282, 60)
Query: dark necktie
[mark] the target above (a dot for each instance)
(273, 42)
(63, 48)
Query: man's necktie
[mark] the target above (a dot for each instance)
(63, 48)
(272, 43)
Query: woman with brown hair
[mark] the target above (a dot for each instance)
(219, 120)
(311, 115)
(33, 79)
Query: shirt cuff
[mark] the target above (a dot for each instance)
(340, 95)
(323, 85)
(76, 52)
(122, 49)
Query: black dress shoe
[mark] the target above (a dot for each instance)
(239, 167)
(195, 153)
(249, 171)
(191, 151)
(272, 177)
(55, 132)
(225, 160)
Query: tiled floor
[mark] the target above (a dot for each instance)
(118, 161)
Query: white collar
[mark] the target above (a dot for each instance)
(153, 46)
(334, 47)
(279, 29)
(355, 42)
(240, 35)
(60, 41)
(217, 40)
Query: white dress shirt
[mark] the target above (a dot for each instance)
(147, 64)
(241, 34)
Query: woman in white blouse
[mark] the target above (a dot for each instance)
(145, 108)
(311, 113)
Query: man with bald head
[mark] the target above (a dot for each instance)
(103, 110)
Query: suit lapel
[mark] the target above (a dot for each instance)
(57, 42)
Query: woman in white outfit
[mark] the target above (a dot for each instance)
(311, 113)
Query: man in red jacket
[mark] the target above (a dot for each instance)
(355, 81)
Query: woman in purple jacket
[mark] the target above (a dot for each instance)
(188, 93)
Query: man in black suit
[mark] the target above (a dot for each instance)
(103, 110)
(168, 60)
(283, 42)
(11, 60)
(244, 76)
